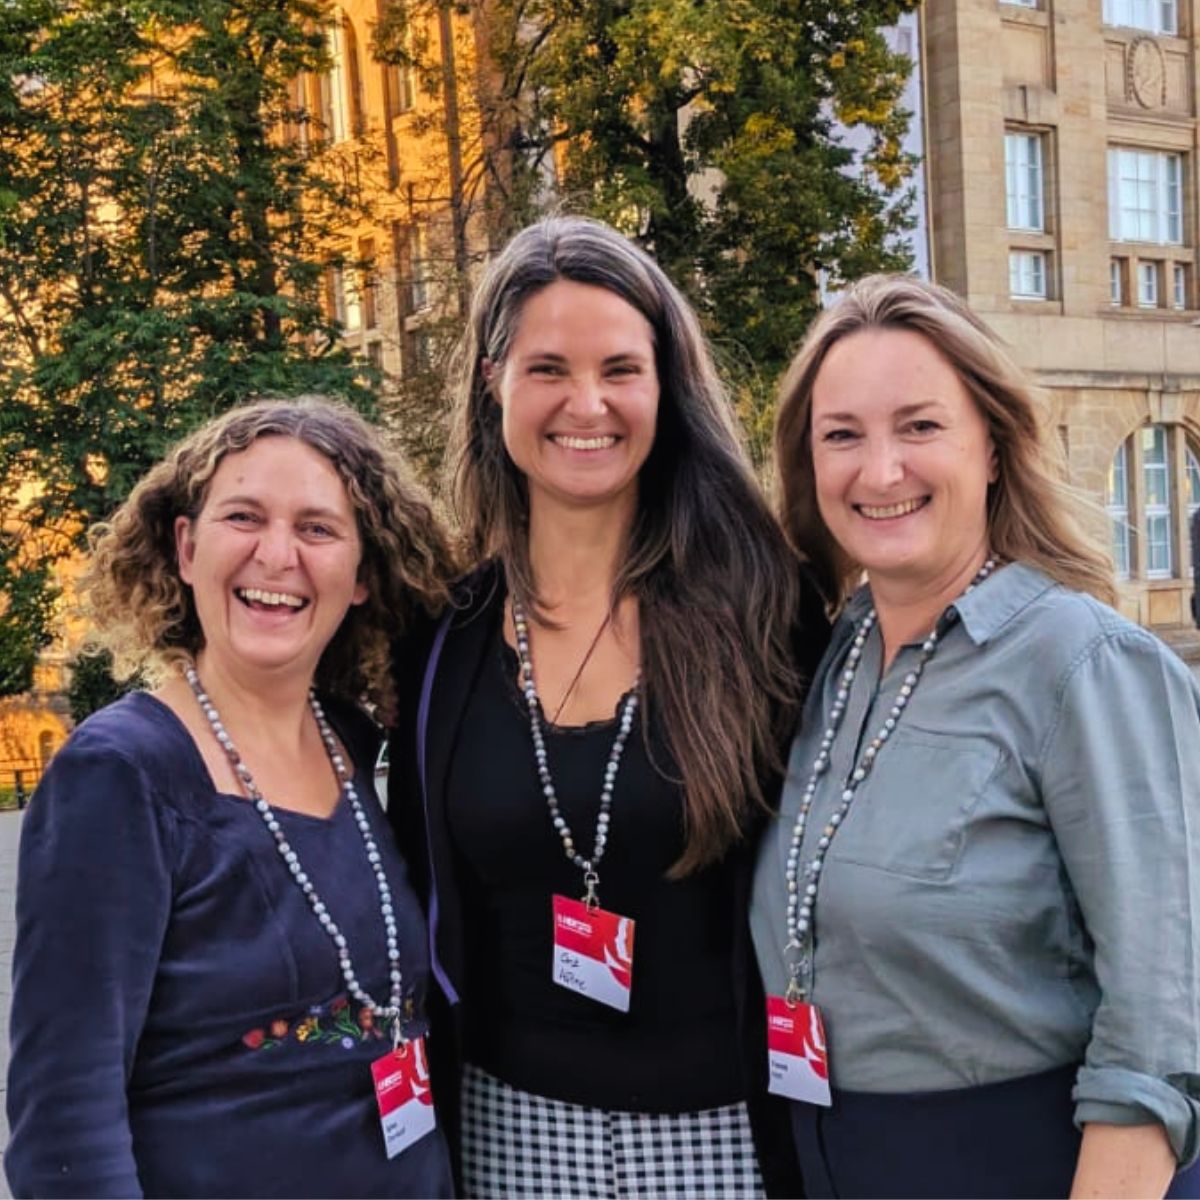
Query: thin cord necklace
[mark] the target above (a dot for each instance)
(579, 673)
(801, 901)
(588, 866)
(390, 1012)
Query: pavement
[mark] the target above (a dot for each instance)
(10, 827)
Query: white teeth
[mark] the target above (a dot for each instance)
(276, 599)
(579, 443)
(882, 512)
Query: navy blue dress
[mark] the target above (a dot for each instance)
(180, 1026)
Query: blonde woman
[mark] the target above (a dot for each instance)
(217, 943)
(977, 914)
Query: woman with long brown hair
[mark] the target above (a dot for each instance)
(598, 734)
(977, 916)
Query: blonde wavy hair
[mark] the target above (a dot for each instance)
(1033, 516)
(144, 614)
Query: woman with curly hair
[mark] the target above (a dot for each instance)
(600, 734)
(217, 943)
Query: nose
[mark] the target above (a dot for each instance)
(586, 401)
(882, 465)
(276, 548)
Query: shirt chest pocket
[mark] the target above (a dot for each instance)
(912, 813)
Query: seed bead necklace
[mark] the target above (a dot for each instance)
(391, 1012)
(588, 866)
(801, 899)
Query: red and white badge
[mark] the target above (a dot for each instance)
(404, 1096)
(797, 1060)
(593, 952)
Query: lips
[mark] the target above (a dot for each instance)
(886, 512)
(262, 599)
(570, 442)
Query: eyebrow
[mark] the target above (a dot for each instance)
(314, 510)
(621, 356)
(905, 410)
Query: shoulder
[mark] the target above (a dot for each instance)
(362, 737)
(137, 732)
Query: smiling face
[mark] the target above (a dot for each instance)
(579, 393)
(902, 460)
(272, 559)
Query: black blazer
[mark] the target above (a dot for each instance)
(419, 819)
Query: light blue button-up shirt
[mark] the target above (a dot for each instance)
(1016, 885)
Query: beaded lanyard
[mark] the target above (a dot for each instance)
(802, 901)
(588, 866)
(391, 1012)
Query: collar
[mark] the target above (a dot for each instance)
(984, 611)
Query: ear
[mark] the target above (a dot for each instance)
(490, 372)
(993, 462)
(185, 548)
(360, 593)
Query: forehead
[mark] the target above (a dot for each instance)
(566, 314)
(278, 468)
(881, 369)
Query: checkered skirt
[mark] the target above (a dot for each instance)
(519, 1145)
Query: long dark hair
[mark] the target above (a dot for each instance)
(716, 585)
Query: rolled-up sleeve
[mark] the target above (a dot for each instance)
(93, 898)
(1121, 786)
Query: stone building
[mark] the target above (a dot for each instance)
(1062, 166)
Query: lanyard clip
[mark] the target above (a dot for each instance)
(399, 1041)
(592, 881)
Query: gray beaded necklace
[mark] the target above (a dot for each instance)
(588, 866)
(802, 900)
(391, 1012)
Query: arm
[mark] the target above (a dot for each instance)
(1120, 1161)
(1121, 779)
(93, 896)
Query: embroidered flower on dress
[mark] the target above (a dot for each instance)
(339, 1022)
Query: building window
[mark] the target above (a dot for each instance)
(1154, 16)
(1023, 3)
(1116, 282)
(366, 254)
(1117, 502)
(1156, 485)
(1179, 288)
(374, 350)
(1024, 181)
(344, 300)
(1147, 277)
(1145, 196)
(333, 87)
(418, 267)
(1027, 274)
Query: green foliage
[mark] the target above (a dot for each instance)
(159, 244)
(714, 133)
(92, 685)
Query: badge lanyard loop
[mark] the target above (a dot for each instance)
(591, 877)
(799, 948)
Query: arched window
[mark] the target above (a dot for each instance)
(45, 746)
(1152, 490)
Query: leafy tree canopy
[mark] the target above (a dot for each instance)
(164, 201)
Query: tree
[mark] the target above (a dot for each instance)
(165, 197)
(713, 133)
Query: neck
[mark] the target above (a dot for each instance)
(908, 611)
(575, 554)
(278, 714)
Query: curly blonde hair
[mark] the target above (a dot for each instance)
(1033, 516)
(144, 614)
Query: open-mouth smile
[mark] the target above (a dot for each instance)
(264, 601)
(569, 442)
(887, 512)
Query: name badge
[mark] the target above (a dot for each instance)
(404, 1096)
(593, 952)
(797, 1059)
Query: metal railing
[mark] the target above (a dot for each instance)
(18, 778)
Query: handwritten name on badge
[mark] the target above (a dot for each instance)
(797, 1058)
(593, 952)
(404, 1096)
